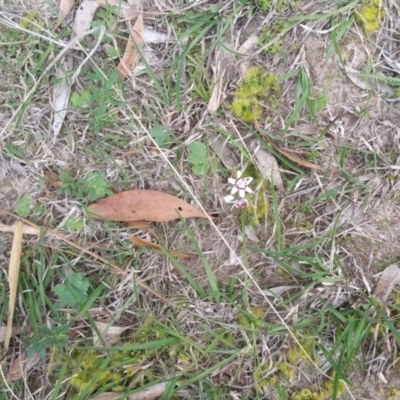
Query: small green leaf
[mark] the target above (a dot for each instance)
(97, 186)
(160, 137)
(158, 134)
(74, 224)
(198, 153)
(74, 291)
(24, 205)
(81, 100)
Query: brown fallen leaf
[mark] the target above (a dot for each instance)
(387, 281)
(138, 241)
(131, 54)
(22, 365)
(291, 156)
(65, 7)
(298, 160)
(147, 205)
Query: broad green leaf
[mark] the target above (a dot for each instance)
(198, 153)
(74, 290)
(74, 224)
(24, 205)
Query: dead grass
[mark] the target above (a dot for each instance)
(284, 311)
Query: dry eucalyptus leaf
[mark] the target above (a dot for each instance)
(61, 94)
(150, 393)
(387, 281)
(268, 167)
(22, 365)
(224, 153)
(278, 290)
(3, 330)
(366, 83)
(65, 7)
(131, 54)
(222, 70)
(84, 17)
(110, 334)
(147, 205)
(246, 49)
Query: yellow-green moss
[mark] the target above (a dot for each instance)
(258, 203)
(257, 89)
(370, 14)
(247, 321)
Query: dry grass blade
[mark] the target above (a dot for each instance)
(131, 54)
(65, 8)
(138, 241)
(13, 275)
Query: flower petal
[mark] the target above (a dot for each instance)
(239, 174)
(234, 190)
(242, 193)
(232, 181)
(248, 180)
(248, 190)
(229, 199)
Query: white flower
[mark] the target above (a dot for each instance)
(238, 204)
(240, 185)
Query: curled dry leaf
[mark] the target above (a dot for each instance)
(147, 205)
(131, 54)
(224, 153)
(389, 278)
(22, 365)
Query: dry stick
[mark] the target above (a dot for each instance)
(13, 275)
(58, 235)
